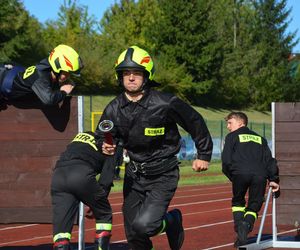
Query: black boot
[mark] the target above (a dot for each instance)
(102, 240)
(175, 231)
(243, 230)
(250, 219)
(238, 216)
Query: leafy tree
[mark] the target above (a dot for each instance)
(125, 24)
(128, 23)
(234, 25)
(75, 28)
(20, 34)
(255, 67)
(72, 24)
(183, 33)
(275, 44)
(227, 53)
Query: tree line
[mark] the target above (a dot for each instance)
(225, 53)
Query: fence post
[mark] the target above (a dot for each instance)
(81, 242)
(221, 137)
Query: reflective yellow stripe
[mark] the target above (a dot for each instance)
(251, 213)
(103, 226)
(163, 227)
(86, 138)
(238, 209)
(247, 138)
(29, 71)
(154, 131)
(98, 177)
(61, 236)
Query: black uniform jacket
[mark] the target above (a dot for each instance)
(37, 80)
(246, 152)
(83, 148)
(148, 128)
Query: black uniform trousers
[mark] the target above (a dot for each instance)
(255, 184)
(146, 200)
(71, 184)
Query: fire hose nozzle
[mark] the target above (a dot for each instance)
(106, 126)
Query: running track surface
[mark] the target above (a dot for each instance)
(207, 221)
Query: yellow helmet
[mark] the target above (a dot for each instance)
(65, 58)
(135, 58)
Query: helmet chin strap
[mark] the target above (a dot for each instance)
(54, 76)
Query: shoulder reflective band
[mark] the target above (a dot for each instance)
(86, 138)
(29, 71)
(247, 138)
(154, 131)
(163, 228)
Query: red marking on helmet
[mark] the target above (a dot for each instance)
(146, 59)
(68, 62)
(51, 53)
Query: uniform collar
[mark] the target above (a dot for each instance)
(143, 102)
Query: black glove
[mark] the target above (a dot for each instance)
(277, 194)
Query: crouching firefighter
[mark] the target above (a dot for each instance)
(74, 181)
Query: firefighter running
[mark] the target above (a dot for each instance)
(145, 121)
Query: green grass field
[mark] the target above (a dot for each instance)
(213, 175)
(258, 121)
(98, 103)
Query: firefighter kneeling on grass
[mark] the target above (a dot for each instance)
(73, 181)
